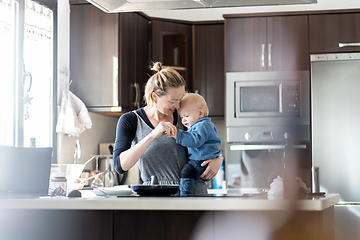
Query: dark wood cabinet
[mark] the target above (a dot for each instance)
(134, 59)
(276, 43)
(209, 73)
(172, 46)
(93, 55)
(327, 31)
(155, 225)
(56, 224)
(108, 57)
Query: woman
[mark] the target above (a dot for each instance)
(143, 135)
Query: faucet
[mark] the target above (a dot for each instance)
(77, 150)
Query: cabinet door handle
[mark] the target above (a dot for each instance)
(137, 95)
(281, 97)
(349, 45)
(269, 55)
(262, 55)
(115, 83)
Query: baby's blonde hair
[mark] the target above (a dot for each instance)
(197, 100)
(161, 81)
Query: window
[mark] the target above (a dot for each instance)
(26, 74)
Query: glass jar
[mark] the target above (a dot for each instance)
(58, 184)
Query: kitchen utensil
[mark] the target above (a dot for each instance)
(121, 177)
(154, 189)
(154, 180)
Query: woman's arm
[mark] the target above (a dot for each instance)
(213, 166)
(129, 157)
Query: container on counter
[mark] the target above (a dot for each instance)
(58, 183)
(219, 179)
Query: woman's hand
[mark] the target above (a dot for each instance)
(174, 132)
(163, 128)
(213, 166)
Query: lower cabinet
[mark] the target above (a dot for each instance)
(32, 224)
(155, 225)
(70, 224)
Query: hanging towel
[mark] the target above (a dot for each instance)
(73, 117)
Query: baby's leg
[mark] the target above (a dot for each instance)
(187, 180)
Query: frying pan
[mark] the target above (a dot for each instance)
(154, 189)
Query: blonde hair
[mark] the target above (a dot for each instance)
(197, 100)
(161, 81)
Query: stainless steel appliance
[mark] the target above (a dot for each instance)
(262, 109)
(256, 154)
(335, 80)
(335, 99)
(267, 98)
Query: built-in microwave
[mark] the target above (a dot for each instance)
(267, 98)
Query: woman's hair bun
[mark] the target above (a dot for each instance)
(156, 67)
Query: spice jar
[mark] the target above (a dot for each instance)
(58, 181)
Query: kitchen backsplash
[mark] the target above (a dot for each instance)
(103, 130)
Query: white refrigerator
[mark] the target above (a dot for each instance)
(335, 130)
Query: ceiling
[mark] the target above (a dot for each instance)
(207, 14)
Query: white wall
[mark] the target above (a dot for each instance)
(103, 130)
(220, 126)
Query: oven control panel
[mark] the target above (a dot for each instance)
(268, 134)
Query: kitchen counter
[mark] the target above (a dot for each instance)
(221, 203)
(111, 218)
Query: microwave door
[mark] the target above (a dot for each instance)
(259, 99)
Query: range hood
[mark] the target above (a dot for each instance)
(112, 6)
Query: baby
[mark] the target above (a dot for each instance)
(200, 139)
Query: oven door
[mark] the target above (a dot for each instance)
(258, 164)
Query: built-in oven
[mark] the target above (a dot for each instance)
(264, 110)
(255, 154)
(267, 98)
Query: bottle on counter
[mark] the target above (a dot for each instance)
(219, 179)
(97, 182)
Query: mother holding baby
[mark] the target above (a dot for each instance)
(144, 135)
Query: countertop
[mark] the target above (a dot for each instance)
(247, 202)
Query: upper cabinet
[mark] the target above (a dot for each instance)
(209, 73)
(108, 58)
(94, 52)
(172, 46)
(278, 43)
(134, 59)
(328, 31)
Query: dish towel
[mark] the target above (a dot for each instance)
(74, 117)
